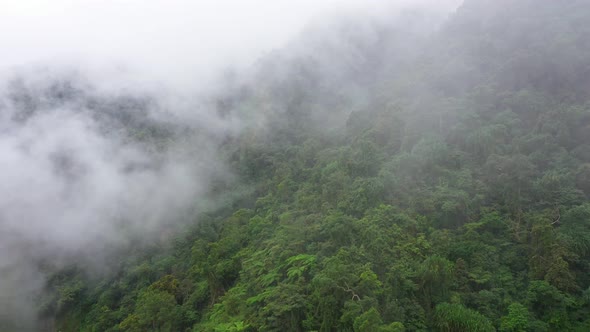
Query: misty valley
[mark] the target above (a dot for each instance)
(416, 170)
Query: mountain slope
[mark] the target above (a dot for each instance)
(445, 187)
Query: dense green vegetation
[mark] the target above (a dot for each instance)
(431, 182)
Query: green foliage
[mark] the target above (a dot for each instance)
(443, 190)
(368, 321)
(455, 317)
(155, 311)
(517, 319)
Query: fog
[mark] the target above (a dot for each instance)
(81, 84)
(178, 41)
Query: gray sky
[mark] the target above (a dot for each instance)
(177, 39)
(156, 35)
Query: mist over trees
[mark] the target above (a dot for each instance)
(412, 172)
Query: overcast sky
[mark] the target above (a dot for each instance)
(158, 35)
(165, 38)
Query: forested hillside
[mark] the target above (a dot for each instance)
(401, 176)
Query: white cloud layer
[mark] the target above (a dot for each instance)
(182, 41)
